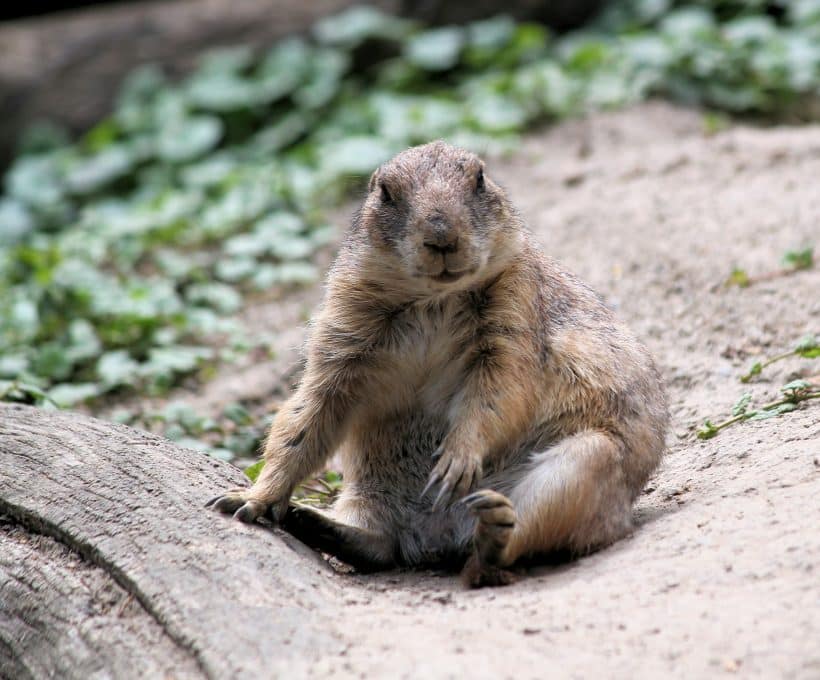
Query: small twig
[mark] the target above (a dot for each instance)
(330, 490)
(794, 261)
(125, 602)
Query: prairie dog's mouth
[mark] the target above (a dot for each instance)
(447, 276)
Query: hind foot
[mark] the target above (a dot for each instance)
(496, 521)
(476, 574)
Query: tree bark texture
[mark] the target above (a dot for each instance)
(110, 566)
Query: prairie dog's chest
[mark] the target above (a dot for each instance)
(425, 362)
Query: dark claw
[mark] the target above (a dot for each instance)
(227, 504)
(247, 514)
(469, 500)
(481, 500)
(443, 496)
(212, 501)
(434, 479)
(438, 453)
(272, 514)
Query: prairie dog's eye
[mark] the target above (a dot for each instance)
(385, 194)
(479, 181)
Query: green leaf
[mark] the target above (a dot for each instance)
(754, 370)
(210, 171)
(83, 341)
(804, 12)
(194, 444)
(226, 60)
(773, 412)
(284, 132)
(15, 390)
(650, 10)
(688, 25)
(13, 365)
(288, 273)
(496, 114)
(491, 34)
(749, 30)
(252, 471)
(220, 296)
(190, 138)
(243, 442)
(292, 248)
(297, 273)
(221, 93)
(713, 123)
(246, 245)
(68, 394)
(117, 368)
(175, 359)
(742, 404)
(124, 416)
(707, 431)
(53, 361)
(286, 65)
(34, 181)
(235, 269)
(42, 136)
(808, 347)
(92, 174)
(24, 318)
(327, 67)
(237, 413)
(799, 259)
(102, 135)
(437, 49)
(142, 84)
(796, 388)
(587, 55)
(352, 27)
(279, 224)
(16, 222)
(739, 278)
(355, 155)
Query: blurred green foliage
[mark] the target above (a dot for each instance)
(123, 254)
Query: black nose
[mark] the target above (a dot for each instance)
(443, 250)
(439, 236)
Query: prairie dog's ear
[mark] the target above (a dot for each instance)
(479, 178)
(374, 178)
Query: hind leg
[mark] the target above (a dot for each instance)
(573, 496)
(364, 549)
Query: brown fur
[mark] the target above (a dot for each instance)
(451, 355)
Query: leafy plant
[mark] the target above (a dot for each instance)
(125, 253)
(807, 348)
(793, 261)
(793, 393)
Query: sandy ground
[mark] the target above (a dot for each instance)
(722, 576)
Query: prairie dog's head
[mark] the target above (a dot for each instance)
(434, 216)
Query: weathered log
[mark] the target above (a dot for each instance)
(63, 617)
(212, 597)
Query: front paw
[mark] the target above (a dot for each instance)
(457, 472)
(246, 507)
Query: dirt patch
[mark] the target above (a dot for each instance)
(722, 575)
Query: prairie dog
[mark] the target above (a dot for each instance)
(486, 405)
